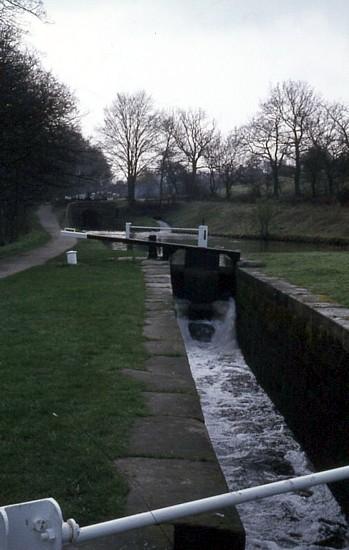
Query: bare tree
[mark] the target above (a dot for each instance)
(193, 134)
(327, 145)
(266, 139)
(230, 159)
(130, 136)
(295, 102)
(339, 114)
(10, 10)
(167, 152)
(213, 158)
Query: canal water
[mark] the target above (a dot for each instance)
(253, 443)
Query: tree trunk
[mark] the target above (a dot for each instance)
(131, 189)
(297, 174)
(227, 189)
(330, 182)
(193, 179)
(161, 190)
(276, 183)
(213, 189)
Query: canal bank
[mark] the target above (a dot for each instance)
(298, 348)
(170, 458)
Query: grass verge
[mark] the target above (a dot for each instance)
(66, 410)
(300, 221)
(324, 273)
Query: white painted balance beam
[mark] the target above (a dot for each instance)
(67, 232)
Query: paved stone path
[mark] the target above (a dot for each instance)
(39, 256)
(170, 458)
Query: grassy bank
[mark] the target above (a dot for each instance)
(324, 273)
(287, 220)
(66, 410)
(36, 237)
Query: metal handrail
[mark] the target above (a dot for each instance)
(162, 228)
(38, 525)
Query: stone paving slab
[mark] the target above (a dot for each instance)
(162, 382)
(171, 366)
(155, 329)
(158, 304)
(153, 278)
(149, 538)
(170, 458)
(176, 481)
(159, 316)
(181, 481)
(165, 347)
(171, 437)
(168, 404)
(154, 294)
(154, 284)
(159, 298)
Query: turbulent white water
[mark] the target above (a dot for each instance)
(254, 445)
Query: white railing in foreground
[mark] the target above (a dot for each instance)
(201, 231)
(38, 525)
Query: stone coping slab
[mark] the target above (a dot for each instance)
(171, 366)
(157, 328)
(170, 458)
(168, 404)
(211, 531)
(172, 347)
(171, 437)
(176, 481)
(162, 382)
(330, 315)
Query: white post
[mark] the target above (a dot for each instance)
(203, 236)
(35, 525)
(72, 258)
(128, 230)
(72, 233)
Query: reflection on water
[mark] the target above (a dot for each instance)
(254, 445)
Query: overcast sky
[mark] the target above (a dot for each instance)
(220, 55)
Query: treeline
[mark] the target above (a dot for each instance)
(42, 151)
(295, 133)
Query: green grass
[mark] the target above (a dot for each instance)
(290, 221)
(36, 237)
(66, 410)
(324, 273)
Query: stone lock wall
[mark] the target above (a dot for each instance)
(298, 347)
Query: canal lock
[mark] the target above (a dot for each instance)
(251, 439)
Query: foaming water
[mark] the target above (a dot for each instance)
(254, 446)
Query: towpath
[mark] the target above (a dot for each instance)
(56, 245)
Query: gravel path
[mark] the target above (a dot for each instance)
(39, 256)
